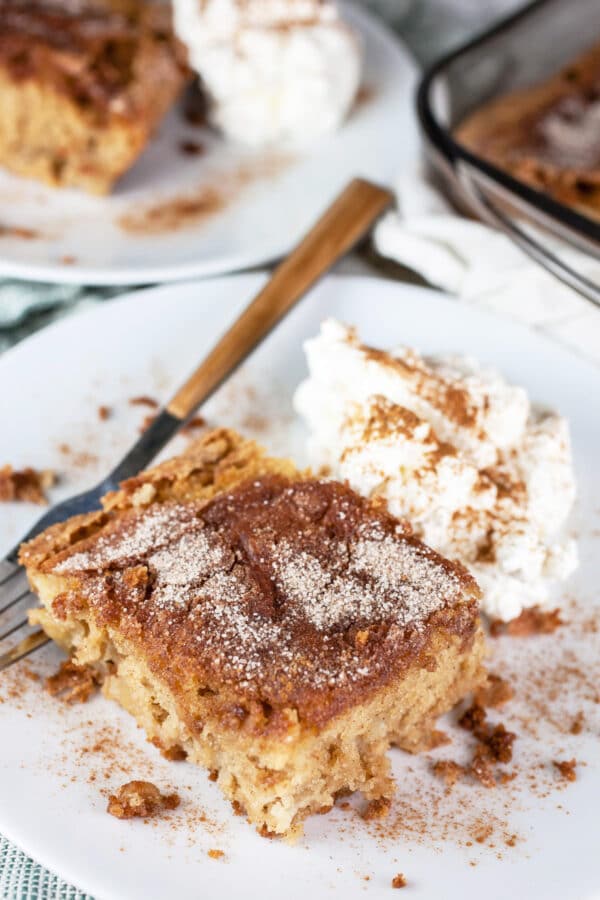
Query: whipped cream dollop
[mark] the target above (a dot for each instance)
(274, 70)
(481, 474)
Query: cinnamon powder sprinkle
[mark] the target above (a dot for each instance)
(140, 799)
(175, 213)
(577, 724)
(216, 854)
(25, 485)
(496, 692)
(441, 393)
(531, 622)
(191, 148)
(376, 809)
(566, 768)
(399, 881)
(104, 413)
(449, 771)
(194, 423)
(17, 231)
(144, 400)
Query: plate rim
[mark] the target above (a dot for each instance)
(256, 278)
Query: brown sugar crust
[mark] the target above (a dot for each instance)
(548, 135)
(82, 86)
(283, 591)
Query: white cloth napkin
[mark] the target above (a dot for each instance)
(482, 266)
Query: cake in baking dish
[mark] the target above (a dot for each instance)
(548, 135)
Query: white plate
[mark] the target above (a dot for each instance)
(269, 198)
(53, 384)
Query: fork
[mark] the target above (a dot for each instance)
(339, 229)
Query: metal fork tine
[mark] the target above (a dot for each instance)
(17, 586)
(23, 649)
(14, 628)
(14, 601)
(7, 571)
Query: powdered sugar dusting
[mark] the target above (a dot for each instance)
(399, 582)
(181, 568)
(154, 529)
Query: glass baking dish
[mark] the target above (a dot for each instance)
(521, 50)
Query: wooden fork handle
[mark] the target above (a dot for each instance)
(339, 229)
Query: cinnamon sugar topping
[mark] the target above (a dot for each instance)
(283, 587)
(407, 588)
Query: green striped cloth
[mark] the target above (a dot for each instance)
(22, 879)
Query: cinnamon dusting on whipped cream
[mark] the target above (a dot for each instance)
(480, 473)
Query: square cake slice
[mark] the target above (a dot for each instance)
(82, 87)
(277, 628)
